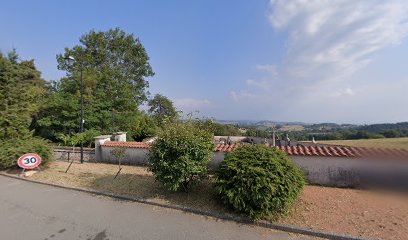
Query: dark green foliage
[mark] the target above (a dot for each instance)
(330, 131)
(388, 130)
(161, 108)
(353, 134)
(21, 93)
(253, 132)
(180, 155)
(258, 181)
(75, 139)
(60, 114)
(21, 90)
(391, 133)
(375, 128)
(115, 69)
(11, 150)
(224, 129)
(89, 136)
(144, 127)
(117, 60)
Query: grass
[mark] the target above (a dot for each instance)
(134, 181)
(377, 143)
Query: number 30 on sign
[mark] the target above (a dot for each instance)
(29, 161)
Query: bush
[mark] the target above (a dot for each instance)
(89, 136)
(258, 181)
(180, 155)
(11, 150)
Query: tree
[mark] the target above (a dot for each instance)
(161, 108)
(59, 115)
(145, 127)
(119, 153)
(179, 157)
(115, 66)
(13, 56)
(71, 140)
(392, 133)
(226, 130)
(119, 60)
(21, 92)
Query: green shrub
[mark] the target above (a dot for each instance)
(11, 150)
(258, 181)
(89, 136)
(180, 155)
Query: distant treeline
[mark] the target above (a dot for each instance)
(388, 130)
(342, 132)
(361, 134)
(235, 130)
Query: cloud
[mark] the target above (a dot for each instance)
(344, 92)
(327, 43)
(266, 82)
(190, 104)
(242, 95)
(263, 83)
(331, 39)
(234, 96)
(269, 68)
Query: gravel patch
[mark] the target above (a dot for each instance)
(378, 215)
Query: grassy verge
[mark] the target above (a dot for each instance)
(133, 181)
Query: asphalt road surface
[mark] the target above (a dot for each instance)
(34, 211)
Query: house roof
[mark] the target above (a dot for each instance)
(319, 151)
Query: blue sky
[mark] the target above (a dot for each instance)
(313, 61)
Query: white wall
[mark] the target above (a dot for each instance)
(325, 171)
(133, 156)
(354, 172)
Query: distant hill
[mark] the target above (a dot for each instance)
(322, 131)
(259, 123)
(383, 126)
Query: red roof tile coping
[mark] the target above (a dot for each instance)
(319, 151)
(126, 144)
(328, 151)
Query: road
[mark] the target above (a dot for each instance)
(35, 211)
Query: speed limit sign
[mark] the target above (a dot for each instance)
(29, 161)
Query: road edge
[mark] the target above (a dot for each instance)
(229, 217)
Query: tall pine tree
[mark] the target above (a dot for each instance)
(21, 90)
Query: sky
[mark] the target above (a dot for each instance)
(341, 61)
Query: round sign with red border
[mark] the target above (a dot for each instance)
(29, 161)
